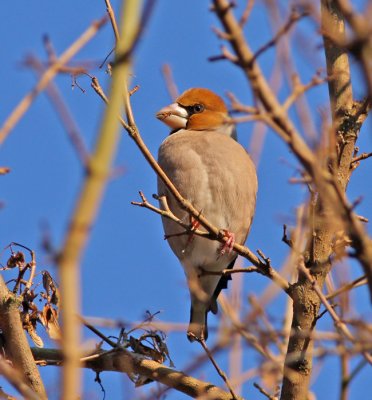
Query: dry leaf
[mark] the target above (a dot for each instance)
(49, 318)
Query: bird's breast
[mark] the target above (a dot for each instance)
(216, 175)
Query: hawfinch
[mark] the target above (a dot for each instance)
(215, 173)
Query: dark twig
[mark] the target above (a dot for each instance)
(264, 392)
(98, 333)
(339, 324)
(285, 238)
(218, 369)
(293, 18)
(346, 382)
(361, 157)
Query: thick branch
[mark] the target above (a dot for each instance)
(362, 44)
(16, 345)
(121, 360)
(340, 89)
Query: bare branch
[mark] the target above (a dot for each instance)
(361, 157)
(63, 112)
(121, 360)
(246, 13)
(362, 45)
(169, 81)
(264, 392)
(17, 348)
(341, 326)
(348, 286)
(218, 369)
(15, 379)
(48, 75)
(340, 89)
(299, 89)
(293, 18)
(112, 17)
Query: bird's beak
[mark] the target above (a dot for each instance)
(174, 116)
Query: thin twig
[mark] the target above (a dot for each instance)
(237, 106)
(299, 89)
(170, 84)
(362, 280)
(241, 328)
(111, 15)
(361, 157)
(346, 382)
(225, 272)
(98, 333)
(288, 241)
(64, 113)
(218, 369)
(264, 392)
(246, 13)
(167, 213)
(340, 325)
(47, 76)
(293, 18)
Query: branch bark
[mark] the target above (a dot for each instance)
(306, 303)
(121, 360)
(16, 346)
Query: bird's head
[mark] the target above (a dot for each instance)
(196, 109)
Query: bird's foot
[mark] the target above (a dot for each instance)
(194, 226)
(228, 246)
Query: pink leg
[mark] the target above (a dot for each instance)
(229, 244)
(194, 226)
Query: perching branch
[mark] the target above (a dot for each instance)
(121, 360)
(213, 232)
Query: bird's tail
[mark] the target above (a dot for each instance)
(201, 305)
(198, 327)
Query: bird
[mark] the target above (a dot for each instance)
(209, 168)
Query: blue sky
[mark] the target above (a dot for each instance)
(128, 267)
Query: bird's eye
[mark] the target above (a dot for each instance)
(197, 108)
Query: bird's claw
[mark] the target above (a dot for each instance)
(228, 246)
(194, 226)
